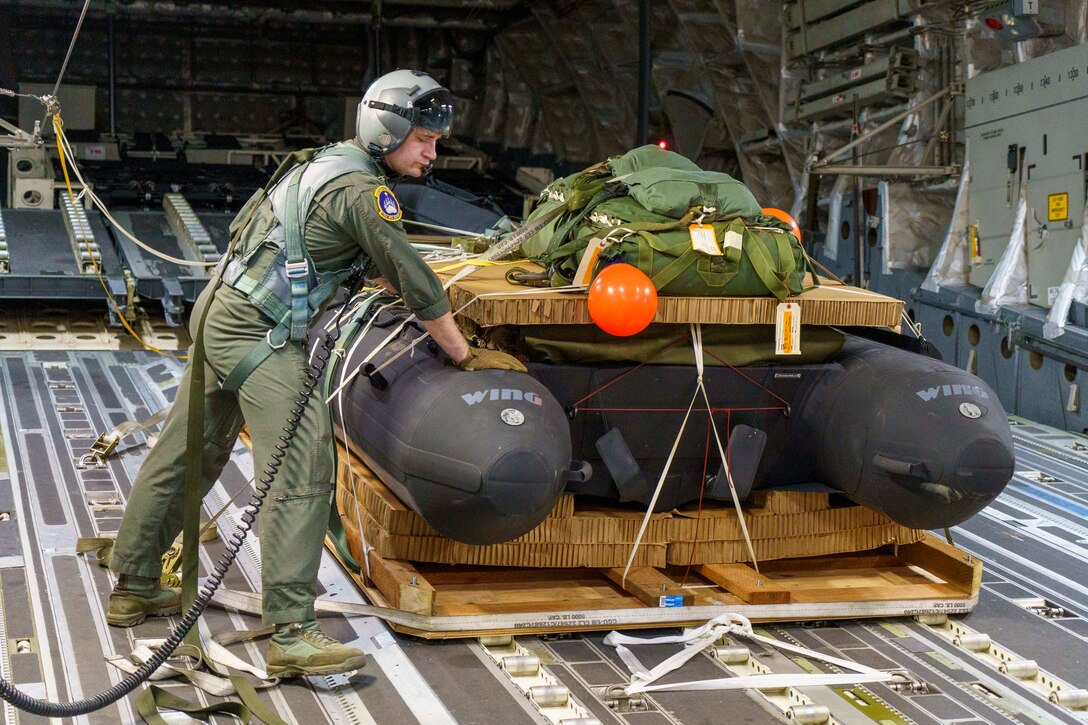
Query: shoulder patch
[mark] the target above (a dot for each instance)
(387, 204)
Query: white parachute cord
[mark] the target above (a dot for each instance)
(915, 327)
(363, 546)
(378, 348)
(697, 640)
(411, 346)
(434, 254)
(449, 230)
(697, 338)
(356, 303)
(105, 212)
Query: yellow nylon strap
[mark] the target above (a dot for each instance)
(477, 263)
(57, 127)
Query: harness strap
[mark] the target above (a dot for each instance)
(293, 315)
(277, 337)
(274, 340)
(298, 266)
(194, 468)
(194, 441)
(151, 700)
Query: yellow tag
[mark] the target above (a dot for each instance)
(1057, 207)
(972, 242)
(584, 275)
(704, 240)
(787, 329)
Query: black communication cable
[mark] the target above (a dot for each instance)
(11, 694)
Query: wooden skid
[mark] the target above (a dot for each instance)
(580, 533)
(923, 577)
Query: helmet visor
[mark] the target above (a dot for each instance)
(434, 111)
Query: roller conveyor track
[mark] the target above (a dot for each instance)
(203, 237)
(48, 258)
(1034, 599)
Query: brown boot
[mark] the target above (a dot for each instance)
(137, 597)
(301, 648)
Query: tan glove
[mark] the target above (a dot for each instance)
(479, 358)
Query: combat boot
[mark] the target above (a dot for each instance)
(137, 597)
(301, 649)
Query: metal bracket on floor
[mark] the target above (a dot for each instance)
(736, 657)
(551, 698)
(96, 455)
(616, 699)
(173, 301)
(123, 293)
(1007, 662)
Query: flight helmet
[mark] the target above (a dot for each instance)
(395, 103)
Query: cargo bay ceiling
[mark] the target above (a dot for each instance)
(745, 86)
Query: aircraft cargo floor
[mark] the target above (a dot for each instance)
(53, 634)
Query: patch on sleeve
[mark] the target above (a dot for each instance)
(387, 204)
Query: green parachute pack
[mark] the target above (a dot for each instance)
(640, 210)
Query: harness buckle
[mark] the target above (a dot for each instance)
(268, 339)
(297, 270)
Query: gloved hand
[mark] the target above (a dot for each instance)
(480, 358)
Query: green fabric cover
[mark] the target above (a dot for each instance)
(637, 160)
(672, 192)
(648, 206)
(735, 344)
(649, 157)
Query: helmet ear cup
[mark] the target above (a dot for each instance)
(388, 109)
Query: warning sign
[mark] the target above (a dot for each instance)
(1057, 207)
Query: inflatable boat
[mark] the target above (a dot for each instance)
(484, 456)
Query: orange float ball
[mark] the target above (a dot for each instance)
(622, 300)
(786, 217)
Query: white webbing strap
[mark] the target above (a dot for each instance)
(657, 491)
(697, 344)
(216, 656)
(697, 640)
(697, 335)
(212, 684)
(411, 346)
(219, 658)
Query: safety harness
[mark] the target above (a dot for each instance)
(302, 285)
(290, 291)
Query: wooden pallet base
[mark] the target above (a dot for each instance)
(923, 577)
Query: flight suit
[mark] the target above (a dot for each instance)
(344, 220)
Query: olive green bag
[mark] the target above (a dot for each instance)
(593, 180)
(642, 204)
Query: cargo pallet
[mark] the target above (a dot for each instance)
(926, 577)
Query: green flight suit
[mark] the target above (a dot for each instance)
(342, 221)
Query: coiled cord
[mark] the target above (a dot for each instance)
(11, 694)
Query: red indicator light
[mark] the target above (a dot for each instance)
(994, 23)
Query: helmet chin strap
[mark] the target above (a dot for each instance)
(390, 173)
